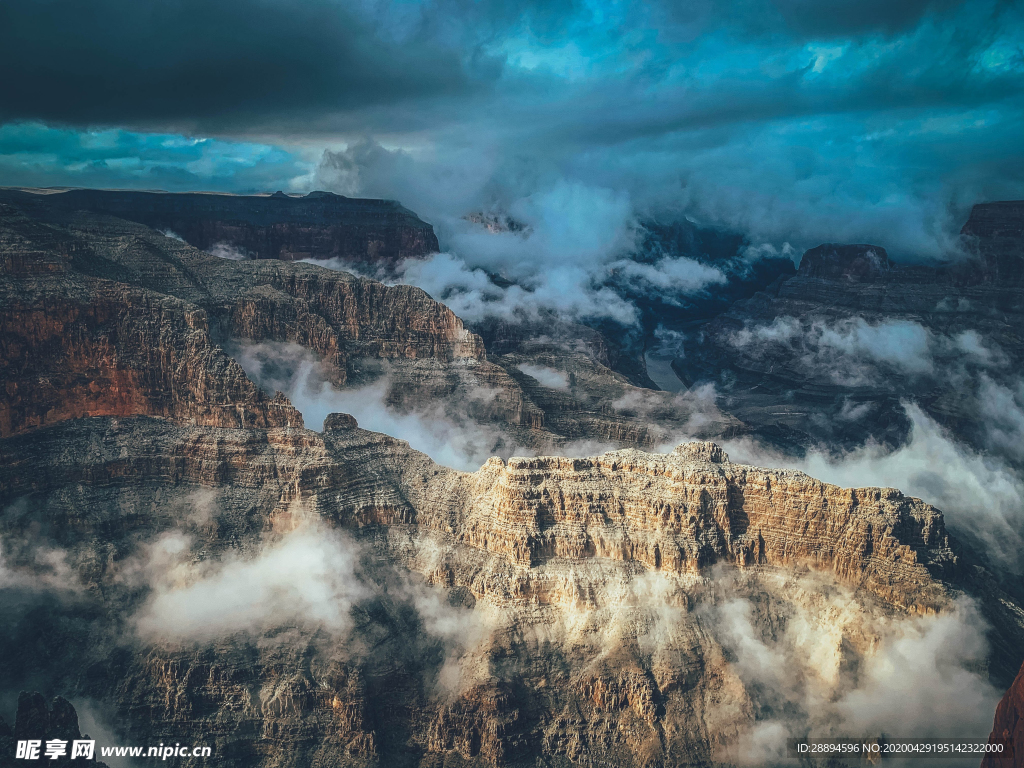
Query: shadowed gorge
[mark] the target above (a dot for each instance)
(183, 556)
(445, 384)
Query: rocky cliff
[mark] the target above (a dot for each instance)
(107, 317)
(182, 556)
(566, 608)
(1009, 726)
(320, 225)
(41, 721)
(359, 330)
(854, 333)
(994, 233)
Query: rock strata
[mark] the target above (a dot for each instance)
(1008, 727)
(180, 550)
(39, 720)
(829, 354)
(532, 542)
(110, 318)
(320, 225)
(359, 330)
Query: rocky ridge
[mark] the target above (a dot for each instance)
(360, 330)
(951, 323)
(86, 331)
(320, 225)
(41, 721)
(532, 543)
(1008, 726)
(541, 609)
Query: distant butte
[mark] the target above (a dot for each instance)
(320, 225)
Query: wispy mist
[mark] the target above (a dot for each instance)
(826, 663)
(981, 495)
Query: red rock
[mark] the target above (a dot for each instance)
(1009, 726)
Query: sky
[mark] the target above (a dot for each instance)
(791, 121)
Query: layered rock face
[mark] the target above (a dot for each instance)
(1009, 726)
(182, 555)
(995, 232)
(320, 225)
(359, 330)
(679, 512)
(74, 345)
(852, 334)
(41, 721)
(107, 317)
(573, 612)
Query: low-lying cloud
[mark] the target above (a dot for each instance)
(36, 568)
(228, 251)
(440, 428)
(444, 427)
(307, 578)
(570, 253)
(825, 662)
(548, 377)
(312, 579)
(980, 494)
(850, 351)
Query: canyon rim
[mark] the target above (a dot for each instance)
(449, 384)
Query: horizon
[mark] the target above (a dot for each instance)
(776, 120)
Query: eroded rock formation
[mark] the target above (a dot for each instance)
(562, 560)
(852, 332)
(38, 720)
(180, 551)
(1008, 726)
(108, 317)
(320, 225)
(358, 329)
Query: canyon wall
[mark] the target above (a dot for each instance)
(547, 585)
(359, 330)
(320, 225)
(181, 554)
(853, 331)
(1009, 726)
(108, 317)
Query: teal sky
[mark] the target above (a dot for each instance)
(789, 120)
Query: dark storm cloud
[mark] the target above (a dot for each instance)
(213, 63)
(844, 17)
(790, 120)
(300, 66)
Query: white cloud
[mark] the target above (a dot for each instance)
(575, 243)
(850, 351)
(441, 429)
(978, 493)
(306, 578)
(901, 344)
(670, 278)
(548, 377)
(1002, 411)
(228, 251)
(38, 567)
(825, 662)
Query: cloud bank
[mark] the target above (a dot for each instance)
(306, 578)
(825, 663)
(870, 122)
(853, 351)
(981, 495)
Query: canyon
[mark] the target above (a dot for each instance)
(320, 225)
(186, 560)
(881, 333)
